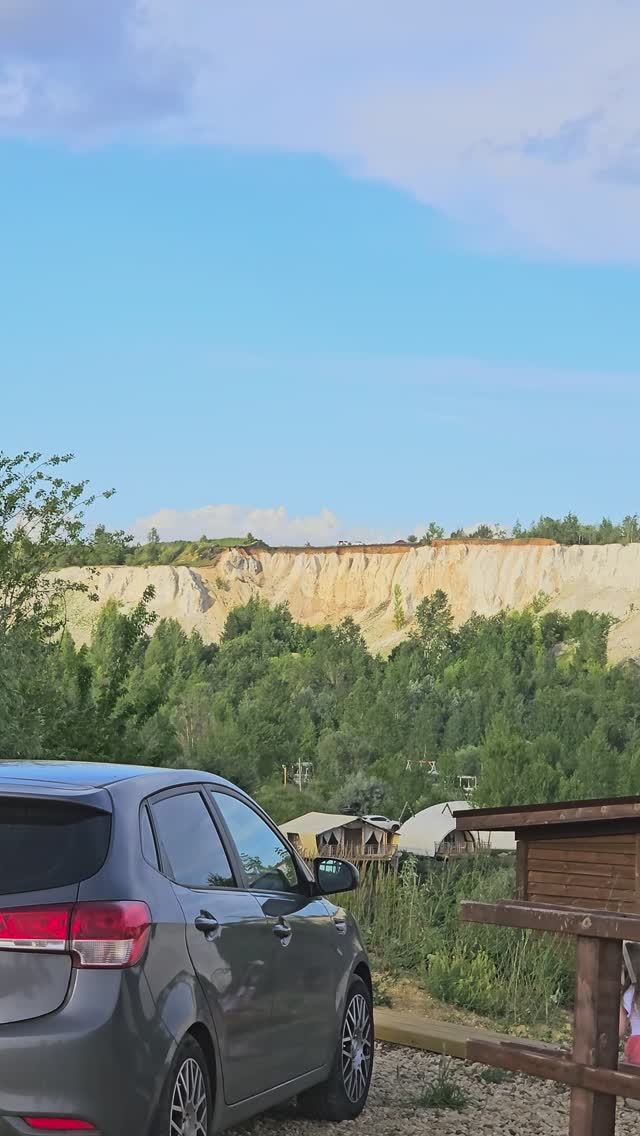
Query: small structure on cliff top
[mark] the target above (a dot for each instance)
(578, 873)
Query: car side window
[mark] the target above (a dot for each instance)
(190, 847)
(149, 850)
(266, 860)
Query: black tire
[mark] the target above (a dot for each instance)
(188, 1077)
(344, 1095)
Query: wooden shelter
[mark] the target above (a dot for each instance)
(578, 873)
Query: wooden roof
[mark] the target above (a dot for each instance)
(614, 809)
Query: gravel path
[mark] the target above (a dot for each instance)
(511, 1108)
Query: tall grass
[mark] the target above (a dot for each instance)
(412, 926)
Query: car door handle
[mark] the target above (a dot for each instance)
(206, 923)
(282, 931)
(340, 925)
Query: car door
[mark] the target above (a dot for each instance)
(229, 939)
(307, 941)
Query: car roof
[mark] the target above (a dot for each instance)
(91, 774)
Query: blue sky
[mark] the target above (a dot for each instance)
(323, 280)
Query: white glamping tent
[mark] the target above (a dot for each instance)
(432, 832)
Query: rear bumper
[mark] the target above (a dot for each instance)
(101, 1058)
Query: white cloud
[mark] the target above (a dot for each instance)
(275, 526)
(521, 122)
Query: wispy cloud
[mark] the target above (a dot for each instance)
(275, 526)
(520, 122)
(445, 374)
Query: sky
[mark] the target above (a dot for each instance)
(323, 271)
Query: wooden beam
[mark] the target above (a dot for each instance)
(558, 1052)
(555, 1065)
(562, 920)
(596, 1040)
(540, 816)
(605, 830)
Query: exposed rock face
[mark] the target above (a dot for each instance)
(327, 585)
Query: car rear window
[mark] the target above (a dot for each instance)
(46, 844)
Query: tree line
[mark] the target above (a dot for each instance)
(117, 547)
(565, 530)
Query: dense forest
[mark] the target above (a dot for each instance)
(524, 701)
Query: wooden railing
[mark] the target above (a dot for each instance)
(359, 852)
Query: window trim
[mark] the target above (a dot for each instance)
(143, 811)
(305, 879)
(180, 791)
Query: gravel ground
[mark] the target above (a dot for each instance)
(517, 1106)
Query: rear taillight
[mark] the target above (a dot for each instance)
(35, 929)
(109, 934)
(97, 935)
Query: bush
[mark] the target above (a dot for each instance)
(412, 925)
(466, 980)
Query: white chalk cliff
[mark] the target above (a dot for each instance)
(325, 585)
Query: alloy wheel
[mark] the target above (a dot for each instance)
(189, 1103)
(357, 1048)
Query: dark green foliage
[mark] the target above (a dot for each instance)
(571, 530)
(361, 794)
(106, 548)
(523, 701)
(564, 530)
(41, 517)
(411, 922)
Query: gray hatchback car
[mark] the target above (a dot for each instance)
(168, 964)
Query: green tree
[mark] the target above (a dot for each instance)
(399, 617)
(153, 549)
(360, 795)
(434, 631)
(117, 641)
(503, 760)
(286, 802)
(41, 515)
(434, 531)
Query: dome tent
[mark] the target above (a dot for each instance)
(432, 832)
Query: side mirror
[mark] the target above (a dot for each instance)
(333, 876)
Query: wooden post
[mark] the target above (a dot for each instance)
(522, 850)
(597, 1015)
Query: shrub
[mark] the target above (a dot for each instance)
(444, 1091)
(412, 925)
(466, 980)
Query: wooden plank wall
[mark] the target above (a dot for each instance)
(591, 871)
